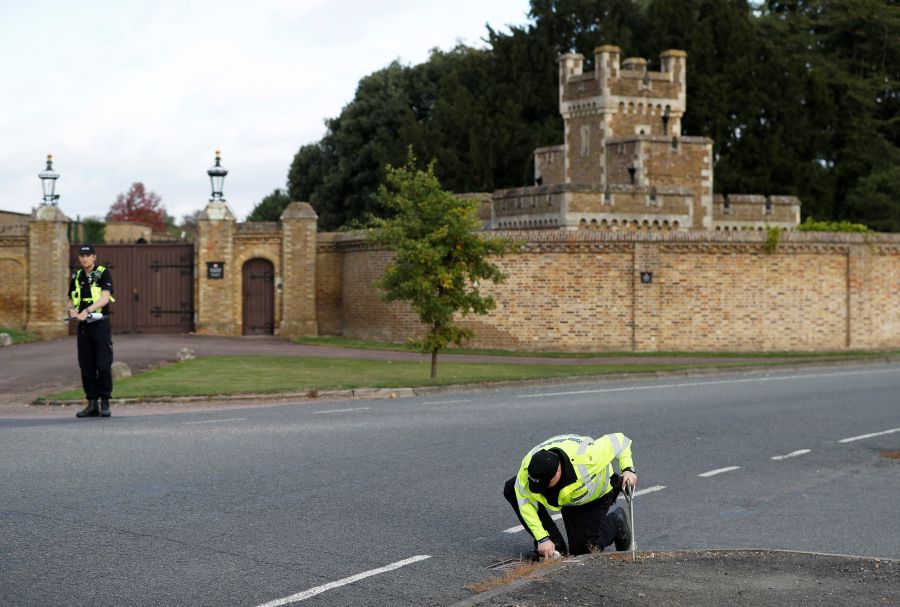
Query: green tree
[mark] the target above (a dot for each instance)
(439, 257)
(271, 207)
(93, 230)
(876, 200)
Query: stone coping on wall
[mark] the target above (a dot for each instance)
(345, 241)
(755, 199)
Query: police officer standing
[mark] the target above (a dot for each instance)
(90, 295)
(573, 474)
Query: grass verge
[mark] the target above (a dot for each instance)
(18, 336)
(215, 375)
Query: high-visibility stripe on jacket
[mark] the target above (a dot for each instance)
(96, 291)
(592, 461)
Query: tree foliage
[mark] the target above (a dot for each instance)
(439, 256)
(137, 204)
(799, 96)
(271, 207)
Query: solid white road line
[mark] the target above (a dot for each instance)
(791, 454)
(556, 517)
(344, 410)
(719, 471)
(853, 438)
(701, 383)
(302, 596)
(217, 421)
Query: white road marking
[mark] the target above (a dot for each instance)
(719, 471)
(217, 421)
(344, 410)
(302, 596)
(700, 383)
(518, 528)
(556, 517)
(853, 438)
(446, 402)
(791, 454)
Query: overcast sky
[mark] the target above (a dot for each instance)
(147, 90)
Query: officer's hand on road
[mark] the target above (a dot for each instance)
(546, 549)
(629, 478)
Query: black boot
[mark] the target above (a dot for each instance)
(623, 529)
(104, 406)
(89, 411)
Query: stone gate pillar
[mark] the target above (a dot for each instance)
(218, 282)
(299, 262)
(48, 272)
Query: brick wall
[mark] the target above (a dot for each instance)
(582, 291)
(13, 275)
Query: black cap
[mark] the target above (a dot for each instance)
(86, 249)
(541, 470)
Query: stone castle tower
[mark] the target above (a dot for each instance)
(625, 163)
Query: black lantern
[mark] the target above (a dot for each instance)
(217, 178)
(48, 182)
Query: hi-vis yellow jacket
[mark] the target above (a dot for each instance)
(592, 461)
(96, 290)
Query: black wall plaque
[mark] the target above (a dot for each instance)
(215, 269)
(646, 277)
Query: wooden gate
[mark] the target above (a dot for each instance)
(153, 284)
(259, 297)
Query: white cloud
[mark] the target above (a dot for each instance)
(138, 90)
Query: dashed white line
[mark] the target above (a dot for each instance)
(791, 454)
(556, 517)
(518, 528)
(699, 383)
(344, 410)
(302, 596)
(446, 402)
(217, 421)
(719, 471)
(853, 438)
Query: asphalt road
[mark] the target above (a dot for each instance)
(398, 502)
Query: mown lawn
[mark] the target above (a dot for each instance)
(268, 374)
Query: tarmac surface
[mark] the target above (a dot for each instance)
(705, 578)
(695, 577)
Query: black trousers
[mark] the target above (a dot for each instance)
(95, 357)
(588, 526)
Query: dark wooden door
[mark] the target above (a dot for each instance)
(153, 285)
(259, 297)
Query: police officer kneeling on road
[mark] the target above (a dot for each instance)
(573, 474)
(91, 293)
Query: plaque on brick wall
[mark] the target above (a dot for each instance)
(646, 277)
(215, 269)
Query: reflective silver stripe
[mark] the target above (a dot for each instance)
(521, 490)
(587, 442)
(616, 444)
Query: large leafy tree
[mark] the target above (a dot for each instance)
(138, 204)
(439, 256)
(271, 207)
(799, 96)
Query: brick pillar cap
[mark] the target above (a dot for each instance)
(48, 212)
(298, 210)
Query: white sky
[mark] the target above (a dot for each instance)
(147, 90)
